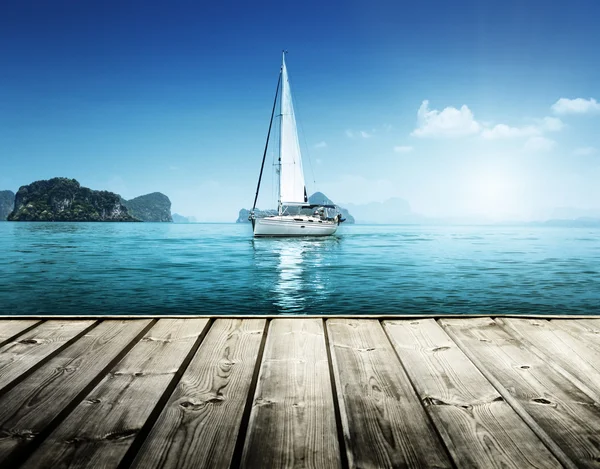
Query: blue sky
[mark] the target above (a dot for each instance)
(464, 109)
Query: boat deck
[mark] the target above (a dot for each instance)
(300, 392)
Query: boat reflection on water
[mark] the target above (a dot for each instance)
(293, 273)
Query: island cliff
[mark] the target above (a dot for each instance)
(155, 207)
(7, 203)
(63, 199)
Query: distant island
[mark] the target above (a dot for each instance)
(154, 207)
(177, 218)
(316, 198)
(7, 203)
(64, 199)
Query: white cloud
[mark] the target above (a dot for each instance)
(321, 145)
(361, 133)
(539, 144)
(403, 149)
(450, 122)
(504, 131)
(547, 124)
(551, 124)
(584, 151)
(575, 106)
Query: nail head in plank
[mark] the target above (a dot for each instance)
(200, 423)
(292, 422)
(569, 356)
(9, 328)
(103, 426)
(478, 427)
(29, 407)
(383, 420)
(558, 409)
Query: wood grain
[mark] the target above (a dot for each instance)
(561, 410)
(569, 355)
(383, 421)
(587, 331)
(292, 422)
(478, 427)
(29, 349)
(199, 425)
(101, 429)
(11, 327)
(32, 404)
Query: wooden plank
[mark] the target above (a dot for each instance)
(557, 410)
(11, 327)
(199, 425)
(103, 426)
(292, 422)
(570, 356)
(478, 427)
(29, 349)
(582, 330)
(383, 420)
(29, 407)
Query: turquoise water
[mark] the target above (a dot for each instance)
(146, 268)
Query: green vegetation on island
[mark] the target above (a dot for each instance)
(154, 207)
(63, 199)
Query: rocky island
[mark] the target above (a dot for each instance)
(7, 203)
(316, 198)
(155, 207)
(63, 199)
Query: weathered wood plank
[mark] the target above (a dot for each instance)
(20, 355)
(102, 428)
(11, 327)
(292, 422)
(570, 356)
(29, 407)
(478, 427)
(560, 410)
(582, 330)
(199, 425)
(383, 421)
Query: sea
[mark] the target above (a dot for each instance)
(177, 269)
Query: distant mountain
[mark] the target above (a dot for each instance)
(316, 198)
(154, 207)
(392, 211)
(63, 199)
(7, 203)
(181, 219)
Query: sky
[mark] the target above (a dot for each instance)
(464, 109)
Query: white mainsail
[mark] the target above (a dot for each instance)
(291, 176)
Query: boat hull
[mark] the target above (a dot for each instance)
(293, 226)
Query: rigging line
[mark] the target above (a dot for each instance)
(262, 166)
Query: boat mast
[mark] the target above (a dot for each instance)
(262, 166)
(279, 204)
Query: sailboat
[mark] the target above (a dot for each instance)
(292, 199)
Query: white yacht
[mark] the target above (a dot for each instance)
(292, 218)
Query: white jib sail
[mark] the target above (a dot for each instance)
(291, 176)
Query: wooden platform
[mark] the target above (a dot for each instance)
(300, 392)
